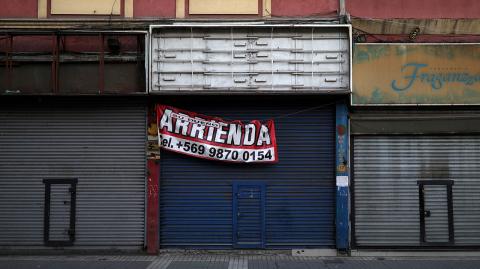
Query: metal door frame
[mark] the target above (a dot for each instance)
(235, 187)
(421, 202)
(46, 217)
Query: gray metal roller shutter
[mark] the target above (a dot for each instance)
(102, 145)
(196, 195)
(386, 199)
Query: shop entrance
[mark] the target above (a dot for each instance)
(249, 214)
(293, 201)
(59, 212)
(436, 212)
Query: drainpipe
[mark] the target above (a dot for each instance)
(343, 178)
(342, 14)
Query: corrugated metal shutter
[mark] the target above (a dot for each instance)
(103, 145)
(196, 195)
(386, 170)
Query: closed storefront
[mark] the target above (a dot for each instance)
(417, 190)
(284, 79)
(287, 204)
(72, 174)
(415, 173)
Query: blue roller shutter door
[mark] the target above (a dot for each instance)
(196, 195)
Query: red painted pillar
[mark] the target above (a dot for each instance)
(152, 206)
(153, 178)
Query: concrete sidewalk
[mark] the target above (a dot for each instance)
(233, 261)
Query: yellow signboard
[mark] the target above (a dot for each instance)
(208, 7)
(414, 74)
(85, 7)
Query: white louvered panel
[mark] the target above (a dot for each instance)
(250, 59)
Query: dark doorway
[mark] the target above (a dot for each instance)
(436, 212)
(249, 215)
(59, 211)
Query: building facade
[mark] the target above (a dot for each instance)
(84, 166)
(81, 165)
(414, 140)
(253, 71)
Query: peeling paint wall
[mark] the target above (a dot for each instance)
(414, 8)
(374, 38)
(167, 8)
(287, 8)
(154, 9)
(18, 8)
(312, 8)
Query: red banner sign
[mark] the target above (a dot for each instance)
(214, 138)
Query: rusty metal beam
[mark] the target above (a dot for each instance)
(55, 63)
(427, 26)
(133, 24)
(8, 61)
(101, 66)
(69, 57)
